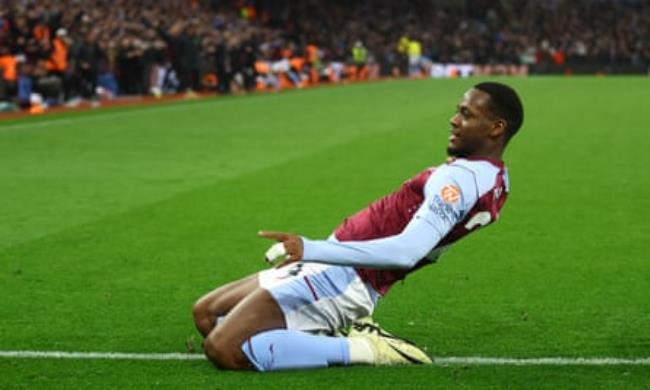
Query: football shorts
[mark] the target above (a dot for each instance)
(319, 298)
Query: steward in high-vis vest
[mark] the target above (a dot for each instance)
(57, 63)
(360, 59)
(8, 74)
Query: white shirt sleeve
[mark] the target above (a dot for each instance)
(449, 193)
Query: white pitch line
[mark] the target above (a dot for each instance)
(440, 361)
(100, 355)
(544, 361)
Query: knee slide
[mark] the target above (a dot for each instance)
(225, 355)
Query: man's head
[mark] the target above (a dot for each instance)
(486, 118)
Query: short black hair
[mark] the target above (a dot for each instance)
(505, 104)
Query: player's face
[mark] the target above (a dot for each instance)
(471, 125)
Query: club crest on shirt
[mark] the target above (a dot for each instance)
(450, 194)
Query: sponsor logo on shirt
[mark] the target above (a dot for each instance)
(443, 210)
(450, 194)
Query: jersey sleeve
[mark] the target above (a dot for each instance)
(448, 198)
(449, 193)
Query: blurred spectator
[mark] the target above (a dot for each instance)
(360, 60)
(49, 87)
(88, 59)
(223, 65)
(9, 72)
(57, 63)
(414, 51)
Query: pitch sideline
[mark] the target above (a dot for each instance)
(439, 361)
(177, 105)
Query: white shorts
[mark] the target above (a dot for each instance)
(318, 297)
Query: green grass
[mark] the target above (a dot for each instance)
(113, 222)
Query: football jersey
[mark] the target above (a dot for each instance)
(444, 203)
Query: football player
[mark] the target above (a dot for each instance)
(291, 316)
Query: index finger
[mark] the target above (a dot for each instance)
(278, 236)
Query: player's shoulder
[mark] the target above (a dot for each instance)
(478, 166)
(448, 177)
(486, 172)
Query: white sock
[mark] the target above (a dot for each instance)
(360, 351)
(282, 349)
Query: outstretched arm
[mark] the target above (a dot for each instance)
(434, 219)
(400, 251)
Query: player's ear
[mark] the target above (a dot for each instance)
(498, 128)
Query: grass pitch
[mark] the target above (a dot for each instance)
(113, 222)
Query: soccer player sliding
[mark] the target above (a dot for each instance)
(313, 310)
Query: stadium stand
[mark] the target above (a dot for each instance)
(60, 52)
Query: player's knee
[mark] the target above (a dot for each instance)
(201, 316)
(222, 354)
(198, 311)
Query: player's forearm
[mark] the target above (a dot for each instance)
(360, 254)
(400, 251)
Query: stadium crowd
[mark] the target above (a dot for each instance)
(56, 51)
